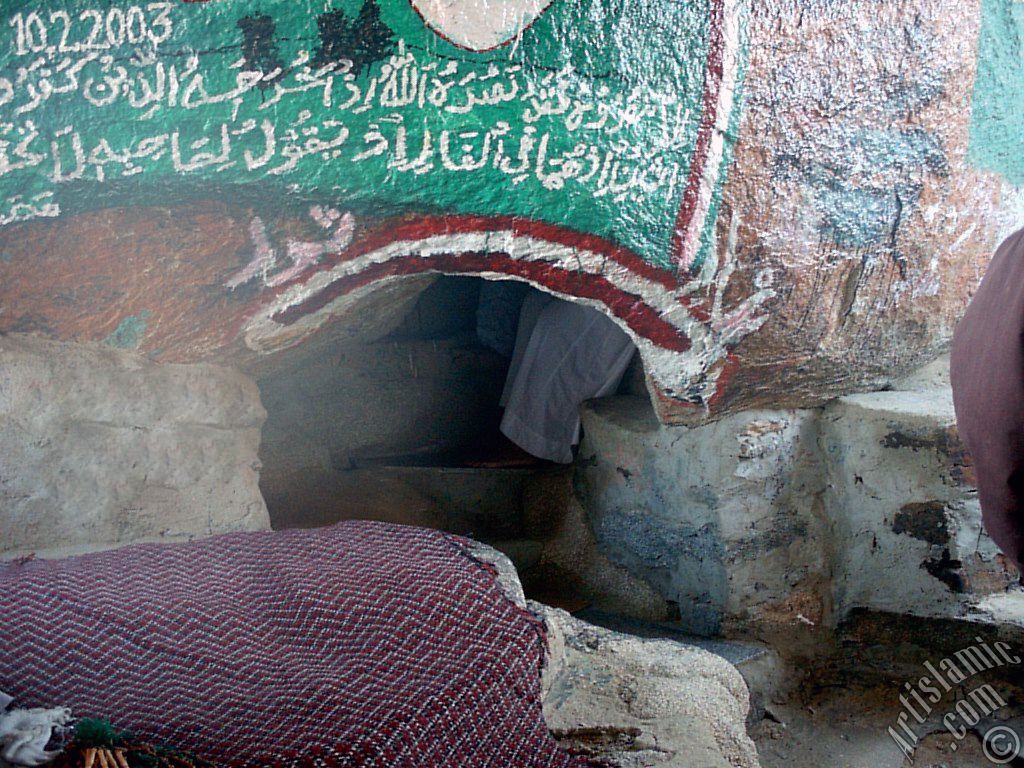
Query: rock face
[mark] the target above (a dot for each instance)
(643, 702)
(781, 201)
(862, 190)
(635, 701)
(102, 447)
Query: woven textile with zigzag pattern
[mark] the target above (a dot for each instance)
(360, 644)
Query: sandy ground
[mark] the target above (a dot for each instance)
(843, 727)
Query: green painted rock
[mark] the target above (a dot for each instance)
(779, 201)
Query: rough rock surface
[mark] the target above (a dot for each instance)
(101, 447)
(643, 702)
(858, 191)
(636, 701)
(781, 201)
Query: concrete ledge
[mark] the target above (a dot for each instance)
(904, 511)
(720, 519)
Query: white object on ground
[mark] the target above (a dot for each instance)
(24, 733)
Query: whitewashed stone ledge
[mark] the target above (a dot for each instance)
(778, 523)
(101, 447)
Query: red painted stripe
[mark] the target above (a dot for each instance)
(712, 87)
(697, 311)
(450, 225)
(629, 308)
(430, 226)
(731, 365)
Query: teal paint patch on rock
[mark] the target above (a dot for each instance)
(599, 116)
(862, 190)
(997, 118)
(129, 332)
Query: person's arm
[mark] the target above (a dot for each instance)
(987, 374)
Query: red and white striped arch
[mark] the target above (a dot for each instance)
(678, 339)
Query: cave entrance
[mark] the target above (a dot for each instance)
(398, 421)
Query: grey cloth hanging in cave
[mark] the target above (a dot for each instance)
(565, 354)
(987, 373)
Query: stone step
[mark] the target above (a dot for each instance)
(735, 652)
(776, 524)
(1003, 610)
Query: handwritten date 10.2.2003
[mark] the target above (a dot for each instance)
(56, 32)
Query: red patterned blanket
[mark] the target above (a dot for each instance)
(361, 644)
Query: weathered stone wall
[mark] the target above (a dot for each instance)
(907, 529)
(100, 447)
(781, 201)
(782, 522)
(725, 519)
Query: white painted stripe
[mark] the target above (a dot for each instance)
(714, 165)
(263, 334)
(525, 248)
